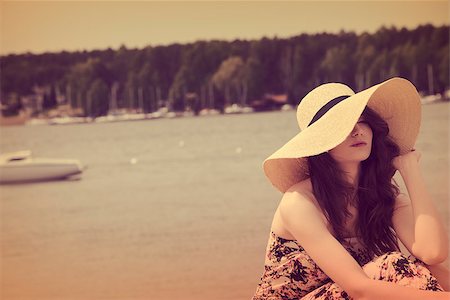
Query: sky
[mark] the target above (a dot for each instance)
(54, 26)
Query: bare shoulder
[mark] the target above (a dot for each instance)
(299, 192)
(298, 200)
(303, 188)
(300, 215)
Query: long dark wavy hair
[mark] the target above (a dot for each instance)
(373, 198)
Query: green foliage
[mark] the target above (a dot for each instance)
(229, 79)
(49, 100)
(97, 99)
(253, 76)
(216, 73)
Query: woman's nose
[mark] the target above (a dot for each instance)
(357, 130)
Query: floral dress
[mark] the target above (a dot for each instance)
(290, 273)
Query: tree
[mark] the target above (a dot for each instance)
(337, 64)
(253, 77)
(229, 79)
(98, 99)
(443, 75)
(81, 77)
(294, 65)
(49, 100)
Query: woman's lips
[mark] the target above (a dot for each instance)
(360, 144)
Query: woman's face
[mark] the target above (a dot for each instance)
(357, 146)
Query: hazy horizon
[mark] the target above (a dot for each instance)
(40, 27)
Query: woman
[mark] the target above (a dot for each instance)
(334, 234)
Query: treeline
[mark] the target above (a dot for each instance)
(214, 74)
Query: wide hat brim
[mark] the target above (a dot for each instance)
(395, 100)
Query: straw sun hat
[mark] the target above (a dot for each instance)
(328, 114)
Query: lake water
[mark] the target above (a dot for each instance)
(167, 209)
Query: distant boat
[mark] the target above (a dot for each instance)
(286, 107)
(247, 109)
(67, 120)
(232, 109)
(19, 167)
(209, 111)
(238, 109)
(431, 99)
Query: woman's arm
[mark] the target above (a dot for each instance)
(442, 274)
(305, 222)
(403, 221)
(417, 221)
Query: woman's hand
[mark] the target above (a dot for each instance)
(403, 161)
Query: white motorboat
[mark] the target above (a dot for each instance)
(22, 167)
